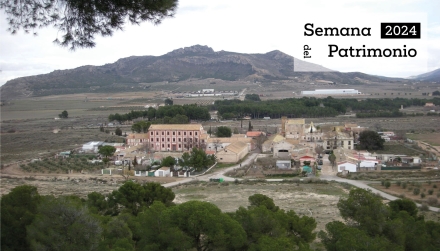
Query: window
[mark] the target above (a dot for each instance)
(163, 145)
(174, 133)
(174, 140)
(179, 139)
(163, 139)
(195, 133)
(168, 139)
(190, 133)
(180, 145)
(168, 133)
(195, 140)
(168, 145)
(152, 145)
(178, 133)
(163, 133)
(349, 148)
(349, 142)
(184, 133)
(342, 143)
(151, 133)
(157, 139)
(184, 140)
(157, 133)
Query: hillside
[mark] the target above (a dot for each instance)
(432, 76)
(195, 62)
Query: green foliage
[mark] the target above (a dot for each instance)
(107, 150)
(171, 114)
(63, 224)
(387, 184)
(18, 210)
(252, 97)
(168, 161)
(406, 205)
(140, 126)
(257, 200)
(332, 159)
(416, 191)
(364, 210)
(224, 132)
(79, 23)
(63, 115)
(168, 101)
(197, 159)
(135, 197)
(118, 131)
(370, 140)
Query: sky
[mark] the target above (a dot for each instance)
(245, 27)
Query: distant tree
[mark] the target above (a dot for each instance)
(107, 151)
(319, 149)
(185, 160)
(168, 161)
(64, 114)
(332, 159)
(224, 132)
(134, 162)
(250, 127)
(252, 97)
(436, 93)
(79, 23)
(200, 160)
(141, 126)
(370, 140)
(168, 101)
(118, 131)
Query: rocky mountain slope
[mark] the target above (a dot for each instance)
(195, 62)
(432, 76)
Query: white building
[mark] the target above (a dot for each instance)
(332, 92)
(92, 146)
(346, 166)
(163, 172)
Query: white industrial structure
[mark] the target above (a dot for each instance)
(332, 92)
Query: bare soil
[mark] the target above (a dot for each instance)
(407, 192)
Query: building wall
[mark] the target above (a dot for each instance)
(347, 166)
(175, 140)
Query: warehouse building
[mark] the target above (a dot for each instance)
(332, 92)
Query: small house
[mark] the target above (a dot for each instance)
(163, 172)
(346, 166)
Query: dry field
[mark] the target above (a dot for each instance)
(407, 191)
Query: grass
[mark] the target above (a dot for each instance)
(395, 148)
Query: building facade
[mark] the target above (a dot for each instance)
(176, 137)
(136, 139)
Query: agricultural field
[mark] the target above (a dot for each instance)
(420, 191)
(430, 138)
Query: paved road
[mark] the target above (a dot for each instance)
(250, 159)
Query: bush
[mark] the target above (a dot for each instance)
(423, 195)
(387, 184)
(430, 191)
(432, 201)
(434, 186)
(424, 207)
(416, 191)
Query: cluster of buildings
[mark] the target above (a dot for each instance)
(296, 140)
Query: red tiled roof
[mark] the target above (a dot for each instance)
(253, 134)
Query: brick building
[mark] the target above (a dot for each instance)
(176, 137)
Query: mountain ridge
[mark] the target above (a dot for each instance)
(194, 62)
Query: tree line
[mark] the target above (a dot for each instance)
(144, 217)
(314, 107)
(170, 114)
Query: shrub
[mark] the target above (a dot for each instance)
(387, 184)
(404, 185)
(416, 191)
(424, 207)
(432, 201)
(430, 191)
(398, 182)
(434, 186)
(422, 195)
